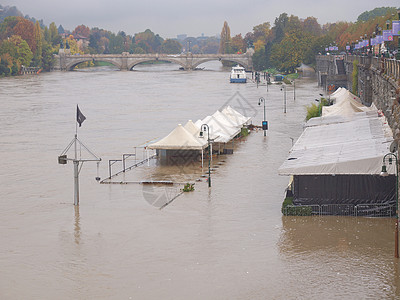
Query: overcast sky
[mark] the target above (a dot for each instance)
(169, 18)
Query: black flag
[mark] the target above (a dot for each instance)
(79, 116)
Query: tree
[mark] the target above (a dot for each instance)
(37, 56)
(170, 46)
(376, 12)
(261, 32)
(290, 52)
(280, 26)
(7, 27)
(259, 59)
(18, 49)
(148, 41)
(312, 26)
(47, 57)
(81, 30)
(238, 44)
(225, 42)
(73, 45)
(26, 30)
(116, 44)
(55, 38)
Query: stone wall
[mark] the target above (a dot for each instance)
(378, 82)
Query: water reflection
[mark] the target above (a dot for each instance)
(354, 251)
(77, 226)
(366, 236)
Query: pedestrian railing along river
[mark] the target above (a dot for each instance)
(365, 210)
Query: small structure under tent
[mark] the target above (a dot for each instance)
(180, 144)
(185, 142)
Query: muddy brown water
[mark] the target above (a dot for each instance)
(229, 241)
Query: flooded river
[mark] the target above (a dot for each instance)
(229, 241)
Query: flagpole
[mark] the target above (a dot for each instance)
(76, 163)
(62, 159)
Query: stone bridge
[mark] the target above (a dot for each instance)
(125, 61)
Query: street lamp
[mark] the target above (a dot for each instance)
(294, 88)
(264, 122)
(384, 172)
(203, 128)
(284, 97)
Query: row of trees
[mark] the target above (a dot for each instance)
(292, 41)
(284, 46)
(24, 43)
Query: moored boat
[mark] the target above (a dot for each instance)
(238, 75)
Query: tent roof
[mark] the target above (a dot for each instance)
(346, 105)
(195, 131)
(179, 139)
(224, 132)
(235, 116)
(341, 144)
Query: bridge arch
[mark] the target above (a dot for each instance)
(201, 61)
(139, 61)
(73, 64)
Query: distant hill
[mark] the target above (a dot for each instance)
(12, 11)
(376, 12)
(9, 11)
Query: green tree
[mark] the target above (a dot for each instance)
(376, 12)
(291, 51)
(55, 38)
(7, 27)
(170, 46)
(47, 57)
(261, 32)
(116, 45)
(259, 59)
(18, 49)
(280, 26)
(37, 56)
(148, 41)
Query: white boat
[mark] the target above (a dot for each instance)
(238, 75)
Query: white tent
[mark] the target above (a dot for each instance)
(235, 116)
(349, 147)
(346, 105)
(219, 128)
(179, 139)
(195, 131)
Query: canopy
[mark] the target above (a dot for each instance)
(179, 139)
(346, 105)
(341, 143)
(235, 116)
(195, 131)
(217, 127)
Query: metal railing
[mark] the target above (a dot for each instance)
(365, 210)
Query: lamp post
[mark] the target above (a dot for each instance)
(203, 126)
(384, 172)
(264, 123)
(284, 97)
(294, 88)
